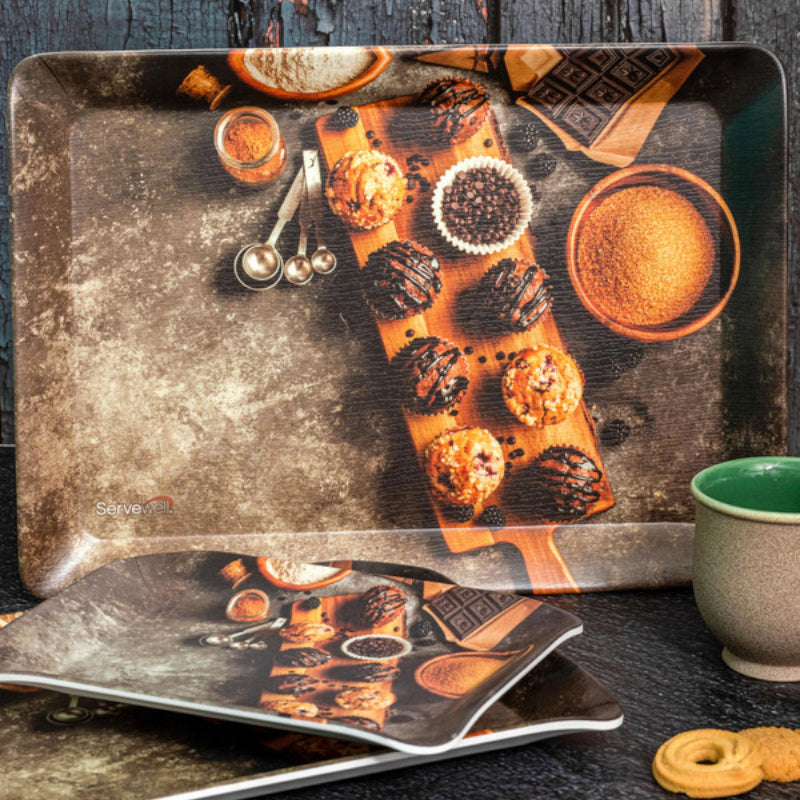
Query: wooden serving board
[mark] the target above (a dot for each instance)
(397, 128)
(337, 612)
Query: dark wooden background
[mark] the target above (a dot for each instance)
(35, 26)
(656, 656)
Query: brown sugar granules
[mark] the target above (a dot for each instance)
(645, 254)
(455, 676)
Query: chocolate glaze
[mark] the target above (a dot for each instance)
(562, 483)
(517, 294)
(401, 279)
(458, 106)
(435, 372)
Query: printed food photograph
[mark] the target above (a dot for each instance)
(477, 306)
(403, 662)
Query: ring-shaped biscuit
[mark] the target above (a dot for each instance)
(707, 762)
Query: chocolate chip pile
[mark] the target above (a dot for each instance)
(480, 206)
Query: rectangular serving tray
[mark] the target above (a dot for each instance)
(147, 377)
(152, 630)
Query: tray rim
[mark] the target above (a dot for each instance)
(346, 767)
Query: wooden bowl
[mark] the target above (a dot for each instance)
(342, 569)
(236, 61)
(720, 223)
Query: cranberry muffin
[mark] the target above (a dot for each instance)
(366, 189)
(542, 386)
(464, 465)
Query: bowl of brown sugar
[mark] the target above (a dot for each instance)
(653, 252)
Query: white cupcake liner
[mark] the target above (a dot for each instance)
(502, 168)
(405, 651)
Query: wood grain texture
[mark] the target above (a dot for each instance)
(378, 22)
(583, 21)
(774, 25)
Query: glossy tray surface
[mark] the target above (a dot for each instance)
(148, 377)
(405, 663)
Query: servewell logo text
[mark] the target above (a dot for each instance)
(152, 507)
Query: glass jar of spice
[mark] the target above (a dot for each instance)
(250, 146)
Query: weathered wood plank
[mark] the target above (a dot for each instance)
(611, 21)
(774, 24)
(320, 22)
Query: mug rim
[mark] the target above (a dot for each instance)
(743, 512)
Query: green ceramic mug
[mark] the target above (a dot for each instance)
(746, 564)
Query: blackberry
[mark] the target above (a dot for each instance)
(344, 117)
(459, 513)
(615, 433)
(542, 165)
(312, 603)
(492, 517)
(422, 629)
(527, 137)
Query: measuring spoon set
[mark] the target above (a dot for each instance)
(260, 266)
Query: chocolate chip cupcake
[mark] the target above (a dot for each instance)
(433, 375)
(562, 484)
(400, 279)
(542, 386)
(458, 108)
(464, 465)
(515, 294)
(365, 189)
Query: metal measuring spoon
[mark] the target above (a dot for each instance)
(259, 266)
(298, 269)
(323, 260)
(229, 639)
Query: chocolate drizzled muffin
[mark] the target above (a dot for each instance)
(516, 293)
(302, 657)
(562, 484)
(380, 605)
(293, 684)
(458, 108)
(432, 373)
(400, 279)
(371, 672)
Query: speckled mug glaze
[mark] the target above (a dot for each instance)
(746, 565)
